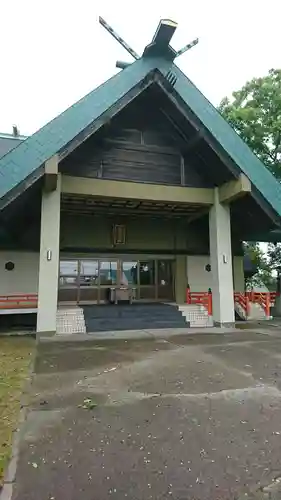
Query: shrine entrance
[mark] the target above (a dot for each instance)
(91, 280)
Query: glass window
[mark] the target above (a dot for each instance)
(164, 275)
(108, 272)
(89, 272)
(129, 273)
(147, 272)
(68, 267)
(68, 272)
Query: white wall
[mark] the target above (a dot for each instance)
(200, 280)
(24, 277)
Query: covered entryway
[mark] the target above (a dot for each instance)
(89, 280)
(137, 240)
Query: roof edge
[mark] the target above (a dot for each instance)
(6, 135)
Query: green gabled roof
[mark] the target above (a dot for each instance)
(26, 159)
(234, 146)
(34, 151)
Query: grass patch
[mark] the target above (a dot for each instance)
(15, 359)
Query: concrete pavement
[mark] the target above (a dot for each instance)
(183, 417)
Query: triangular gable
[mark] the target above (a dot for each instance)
(25, 159)
(229, 140)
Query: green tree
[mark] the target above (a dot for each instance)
(274, 257)
(263, 276)
(255, 114)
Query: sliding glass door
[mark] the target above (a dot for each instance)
(85, 281)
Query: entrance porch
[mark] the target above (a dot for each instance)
(147, 242)
(99, 235)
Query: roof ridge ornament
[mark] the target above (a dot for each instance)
(159, 45)
(187, 47)
(118, 38)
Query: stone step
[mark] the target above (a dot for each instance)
(196, 315)
(133, 325)
(119, 311)
(70, 320)
(132, 317)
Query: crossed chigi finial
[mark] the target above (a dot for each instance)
(159, 45)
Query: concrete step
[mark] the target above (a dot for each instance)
(132, 317)
(133, 324)
(100, 327)
(119, 311)
(196, 315)
(70, 320)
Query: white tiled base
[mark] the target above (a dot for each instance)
(256, 311)
(70, 320)
(196, 315)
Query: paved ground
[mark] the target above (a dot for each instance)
(187, 417)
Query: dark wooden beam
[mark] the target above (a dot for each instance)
(186, 143)
(185, 111)
(198, 214)
(193, 142)
(107, 116)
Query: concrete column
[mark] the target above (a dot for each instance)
(238, 274)
(221, 263)
(49, 260)
(180, 279)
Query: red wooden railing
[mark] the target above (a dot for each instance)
(254, 296)
(19, 301)
(265, 299)
(273, 296)
(201, 298)
(243, 300)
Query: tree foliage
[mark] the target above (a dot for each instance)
(260, 260)
(255, 114)
(274, 256)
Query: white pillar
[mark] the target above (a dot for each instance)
(221, 263)
(49, 260)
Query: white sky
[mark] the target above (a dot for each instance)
(54, 51)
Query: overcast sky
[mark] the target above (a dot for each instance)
(54, 51)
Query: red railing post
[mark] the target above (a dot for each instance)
(188, 297)
(267, 304)
(247, 306)
(210, 303)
